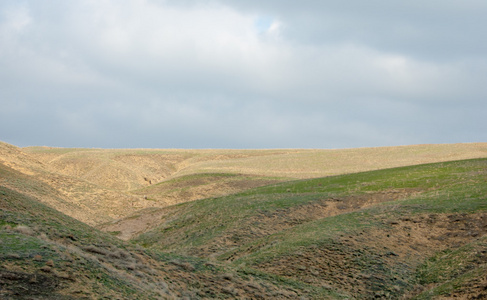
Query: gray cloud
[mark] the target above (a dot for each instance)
(242, 74)
(428, 30)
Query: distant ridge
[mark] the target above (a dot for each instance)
(108, 184)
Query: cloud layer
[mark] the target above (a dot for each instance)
(242, 74)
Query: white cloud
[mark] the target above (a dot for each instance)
(15, 20)
(275, 72)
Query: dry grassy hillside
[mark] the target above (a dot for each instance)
(414, 232)
(130, 169)
(46, 255)
(312, 163)
(16, 159)
(103, 185)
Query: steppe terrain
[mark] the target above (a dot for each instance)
(405, 222)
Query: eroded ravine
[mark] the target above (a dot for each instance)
(266, 223)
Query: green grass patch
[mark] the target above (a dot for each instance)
(453, 187)
(457, 284)
(449, 264)
(22, 245)
(312, 291)
(459, 186)
(322, 232)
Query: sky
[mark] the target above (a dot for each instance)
(242, 74)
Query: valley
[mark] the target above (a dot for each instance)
(406, 222)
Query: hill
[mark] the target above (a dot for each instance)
(45, 254)
(379, 233)
(263, 231)
(107, 185)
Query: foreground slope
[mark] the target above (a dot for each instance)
(47, 255)
(372, 234)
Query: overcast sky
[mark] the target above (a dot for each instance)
(242, 74)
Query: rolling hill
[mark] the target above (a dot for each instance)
(393, 223)
(45, 254)
(107, 185)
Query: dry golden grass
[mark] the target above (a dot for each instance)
(131, 169)
(108, 184)
(318, 163)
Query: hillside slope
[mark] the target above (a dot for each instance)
(47, 255)
(413, 232)
(131, 169)
(372, 234)
(107, 185)
(71, 195)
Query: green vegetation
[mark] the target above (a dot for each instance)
(48, 255)
(40, 241)
(453, 270)
(413, 232)
(262, 229)
(434, 188)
